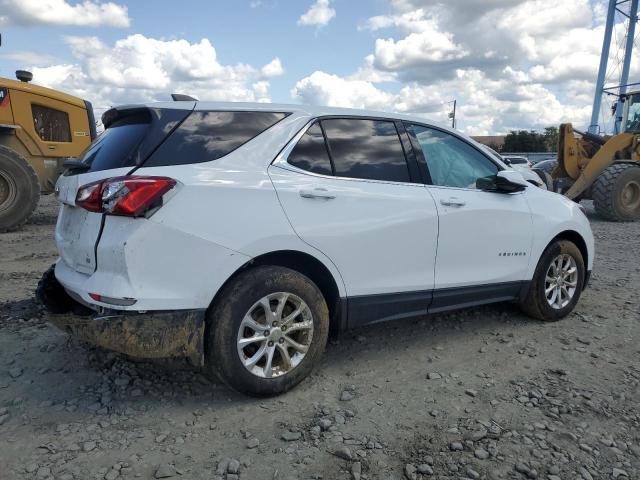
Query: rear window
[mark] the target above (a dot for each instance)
(116, 146)
(130, 138)
(206, 136)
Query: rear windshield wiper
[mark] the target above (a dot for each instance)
(74, 164)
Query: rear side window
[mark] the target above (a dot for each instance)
(367, 149)
(206, 136)
(51, 125)
(310, 153)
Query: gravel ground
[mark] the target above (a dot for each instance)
(481, 393)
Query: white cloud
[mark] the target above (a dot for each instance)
(88, 13)
(319, 14)
(486, 106)
(325, 89)
(140, 69)
(429, 46)
(511, 64)
(273, 68)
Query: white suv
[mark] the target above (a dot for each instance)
(239, 235)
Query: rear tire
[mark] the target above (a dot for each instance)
(616, 193)
(19, 190)
(540, 301)
(260, 353)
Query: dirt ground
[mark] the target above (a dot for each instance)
(482, 393)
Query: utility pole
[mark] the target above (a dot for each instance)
(604, 57)
(624, 76)
(452, 115)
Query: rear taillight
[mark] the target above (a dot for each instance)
(89, 196)
(128, 196)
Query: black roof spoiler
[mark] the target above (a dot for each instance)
(116, 113)
(181, 97)
(92, 120)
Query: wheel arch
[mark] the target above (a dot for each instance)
(577, 239)
(311, 267)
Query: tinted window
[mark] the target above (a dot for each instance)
(367, 149)
(206, 136)
(116, 147)
(451, 161)
(50, 124)
(310, 153)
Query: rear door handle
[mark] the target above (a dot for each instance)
(453, 202)
(317, 193)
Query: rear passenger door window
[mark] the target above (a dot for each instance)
(366, 149)
(310, 153)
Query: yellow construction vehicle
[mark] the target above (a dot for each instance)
(39, 128)
(604, 169)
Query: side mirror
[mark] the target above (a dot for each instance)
(506, 181)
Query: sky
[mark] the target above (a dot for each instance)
(509, 64)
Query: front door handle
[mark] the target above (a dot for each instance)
(322, 193)
(453, 202)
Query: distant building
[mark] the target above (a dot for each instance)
(494, 141)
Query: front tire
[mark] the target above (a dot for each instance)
(557, 282)
(266, 331)
(19, 190)
(616, 193)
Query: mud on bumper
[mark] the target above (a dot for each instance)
(151, 334)
(144, 335)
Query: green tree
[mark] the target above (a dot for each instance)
(524, 141)
(551, 137)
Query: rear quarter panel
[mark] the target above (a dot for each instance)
(231, 202)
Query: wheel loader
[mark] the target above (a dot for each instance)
(39, 129)
(603, 169)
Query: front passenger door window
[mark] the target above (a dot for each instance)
(451, 161)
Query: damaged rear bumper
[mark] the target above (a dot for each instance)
(156, 334)
(150, 334)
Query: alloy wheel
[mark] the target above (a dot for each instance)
(275, 335)
(561, 281)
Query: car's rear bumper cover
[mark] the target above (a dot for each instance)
(155, 334)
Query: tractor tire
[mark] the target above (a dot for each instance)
(616, 193)
(19, 190)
